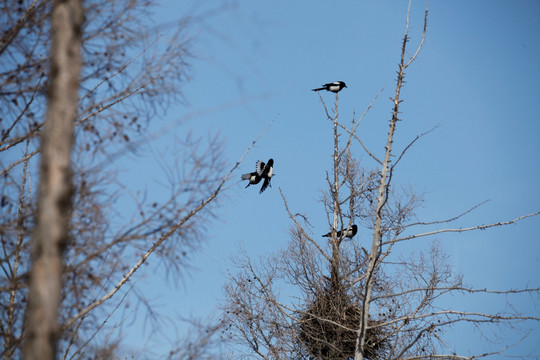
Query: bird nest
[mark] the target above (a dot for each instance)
(329, 325)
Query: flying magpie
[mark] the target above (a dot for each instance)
(335, 86)
(262, 171)
(348, 232)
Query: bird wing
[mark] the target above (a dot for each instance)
(260, 167)
(264, 185)
(268, 170)
(338, 234)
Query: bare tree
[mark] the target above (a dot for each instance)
(335, 299)
(129, 76)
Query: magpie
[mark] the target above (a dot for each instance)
(348, 232)
(262, 171)
(335, 86)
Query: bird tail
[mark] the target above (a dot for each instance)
(246, 177)
(318, 89)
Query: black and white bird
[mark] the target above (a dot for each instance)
(262, 171)
(348, 232)
(335, 87)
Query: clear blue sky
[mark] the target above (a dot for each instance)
(477, 76)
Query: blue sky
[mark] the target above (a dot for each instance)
(477, 76)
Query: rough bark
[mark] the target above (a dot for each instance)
(55, 189)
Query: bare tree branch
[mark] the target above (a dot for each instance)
(471, 228)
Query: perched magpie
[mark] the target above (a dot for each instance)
(348, 232)
(262, 171)
(335, 86)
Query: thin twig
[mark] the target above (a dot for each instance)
(411, 144)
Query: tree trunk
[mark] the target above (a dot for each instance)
(55, 188)
(381, 201)
(334, 271)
